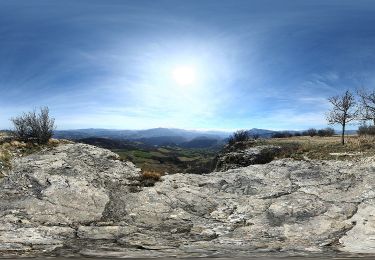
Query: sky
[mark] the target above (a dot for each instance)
(197, 64)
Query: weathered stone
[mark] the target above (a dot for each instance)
(144, 241)
(79, 199)
(246, 156)
(361, 238)
(104, 232)
(47, 238)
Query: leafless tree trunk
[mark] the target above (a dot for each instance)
(344, 110)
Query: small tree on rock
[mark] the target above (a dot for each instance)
(344, 111)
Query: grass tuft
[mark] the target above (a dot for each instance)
(149, 178)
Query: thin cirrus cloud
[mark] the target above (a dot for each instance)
(266, 64)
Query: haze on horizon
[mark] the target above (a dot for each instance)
(197, 64)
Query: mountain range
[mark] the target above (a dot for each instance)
(138, 134)
(152, 137)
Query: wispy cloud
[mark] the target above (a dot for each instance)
(268, 64)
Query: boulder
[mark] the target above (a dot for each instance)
(232, 159)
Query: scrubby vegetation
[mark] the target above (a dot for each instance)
(326, 132)
(364, 130)
(310, 132)
(282, 134)
(149, 178)
(34, 127)
(239, 136)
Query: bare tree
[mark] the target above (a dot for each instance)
(34, 127)
(367, 104)
(344, 110)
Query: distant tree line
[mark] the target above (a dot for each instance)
(246, 135)
(309, 132)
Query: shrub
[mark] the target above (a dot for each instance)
(34, 127)
(312, 132)
(239, 136)
(330, 131)
(326, 132)
(255, 136)
(366, 130)
(282, 134)
(149, 178)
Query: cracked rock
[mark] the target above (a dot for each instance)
(92, 209)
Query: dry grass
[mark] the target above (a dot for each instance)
(325, 148)
(149, 178)
(5, 161)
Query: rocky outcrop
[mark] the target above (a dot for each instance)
(76, 199)
(48, 194)
(235, 158)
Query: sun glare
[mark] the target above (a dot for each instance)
(184, 75)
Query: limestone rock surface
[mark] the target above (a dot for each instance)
(79, 200)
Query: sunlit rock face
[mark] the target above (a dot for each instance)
(77, 199)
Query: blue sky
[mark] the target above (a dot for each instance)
(109, 64)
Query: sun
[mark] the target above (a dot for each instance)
(184, 75)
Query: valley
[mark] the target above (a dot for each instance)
(161, 159)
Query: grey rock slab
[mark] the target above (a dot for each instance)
(104, 232)
(361, 238)
(23, 239)
(79, 199)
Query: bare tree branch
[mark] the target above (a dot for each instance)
(344, 111)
